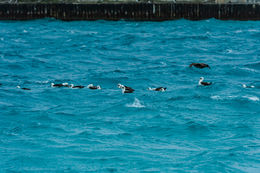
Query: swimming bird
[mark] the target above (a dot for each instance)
(60, 85)
(157, 89)
(77, 86)
(204, 83)
(199, 65)
(125, 89)
(91, 86)
(23, 88)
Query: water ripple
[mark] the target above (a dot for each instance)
(188, 128)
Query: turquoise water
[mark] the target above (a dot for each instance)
(188, 128)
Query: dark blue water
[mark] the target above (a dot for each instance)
(188, 128)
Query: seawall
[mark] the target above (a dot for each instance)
(130, 11)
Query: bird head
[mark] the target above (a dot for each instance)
(120, 86)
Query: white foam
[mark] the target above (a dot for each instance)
(222, 97)
(238, 31)
(249, 69)
(92, 33)
(229, 50)
(252, 98)
(248, 86)
(72, 32)
(135, 104)
(25, 31)
(5, 104)
(216, 97)
(42, 82)
(232, 96)
(253, 30)
(163, 64)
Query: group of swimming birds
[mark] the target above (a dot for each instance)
(126, 89)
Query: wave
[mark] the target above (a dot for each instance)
(104, 123)
(253, 30)
(252, 98)
(255, 65)
(249, 69)
(239, 71)
(42, 82)
(135, 104)
(229, 51)
(238, 31)
(248, 86)
(195, 126)
(231, 97)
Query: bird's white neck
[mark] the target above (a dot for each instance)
(90, 85)
(201, 80)
(123, 89)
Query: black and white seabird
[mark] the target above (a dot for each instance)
(23, 88)
(125, 89)
(157, 89)
(60, 85)
(91, 86)
(204, 83)
(199, 65)
(77, 86)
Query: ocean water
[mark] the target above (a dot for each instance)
(188, 128)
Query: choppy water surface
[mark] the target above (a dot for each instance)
(188, 128)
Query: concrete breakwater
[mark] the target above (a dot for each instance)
(130, 11)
